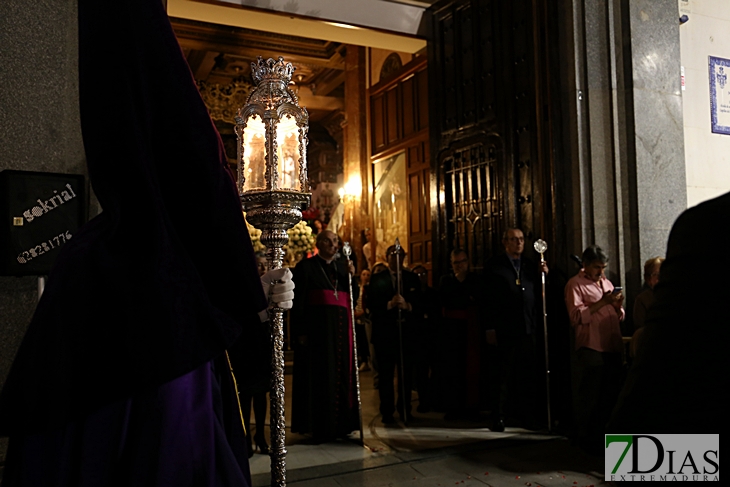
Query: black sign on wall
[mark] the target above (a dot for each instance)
(39, 213)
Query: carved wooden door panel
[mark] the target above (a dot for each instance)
(490, 126)
(419, 218)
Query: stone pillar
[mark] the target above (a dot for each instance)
(661, 187)
(623, 130)
(40, 125)
(356, 162)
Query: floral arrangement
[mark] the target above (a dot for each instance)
(255, 234)
(301, 241)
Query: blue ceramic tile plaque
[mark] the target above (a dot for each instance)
(720, 95)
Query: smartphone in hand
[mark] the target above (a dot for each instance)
(617, 289)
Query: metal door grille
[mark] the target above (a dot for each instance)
(472, 202)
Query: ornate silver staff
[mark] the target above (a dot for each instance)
(399, 288)
(271, 129)
(347, 250)
(541, 247)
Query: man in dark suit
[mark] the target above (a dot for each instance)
(462, 356)
(674, 385)
(512, 285)
(393, 341)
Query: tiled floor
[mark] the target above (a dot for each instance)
(429, 431)
(430, 452)
(515, 461)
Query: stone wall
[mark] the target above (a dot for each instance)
(657, 112)
(39, 116)
(625, 174)
(706, 33)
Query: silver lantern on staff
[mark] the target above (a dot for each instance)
(271, 129)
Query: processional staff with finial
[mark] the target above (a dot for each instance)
(347, 250)
(399, 292)
(541, 247)
(273, 195)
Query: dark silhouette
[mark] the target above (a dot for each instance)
(127, 343)
(459, 377)
(513, 290)
(391, 340)
(675, 385)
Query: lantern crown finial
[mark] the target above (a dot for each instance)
(270, 69)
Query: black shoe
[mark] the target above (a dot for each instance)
(497, 426)
(345, 435)
(423, 408)
(262, 445)
(388, 419)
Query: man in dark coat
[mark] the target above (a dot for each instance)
(460, 364)
(324, 402)
(426, 341)
(390, 299)
(121, 378)
(512, 286)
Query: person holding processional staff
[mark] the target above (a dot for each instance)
(395, 303)
(513, 281)
(122, 377)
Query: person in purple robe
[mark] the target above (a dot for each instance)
(121, 378)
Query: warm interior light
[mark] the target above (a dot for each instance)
(287, 151)
(254, 154)
(341, 192)
(353, 187)
(343, 26)
(271, 129)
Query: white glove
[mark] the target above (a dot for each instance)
(278, 287)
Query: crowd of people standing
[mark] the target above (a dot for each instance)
(471, 347)
(466, 346)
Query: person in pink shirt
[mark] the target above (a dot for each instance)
(595, 310)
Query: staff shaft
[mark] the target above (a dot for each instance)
(354, 352)
(401, 379)
(547, 358)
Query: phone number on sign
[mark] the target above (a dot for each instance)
(43, 247)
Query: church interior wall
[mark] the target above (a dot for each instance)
(706, 33)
